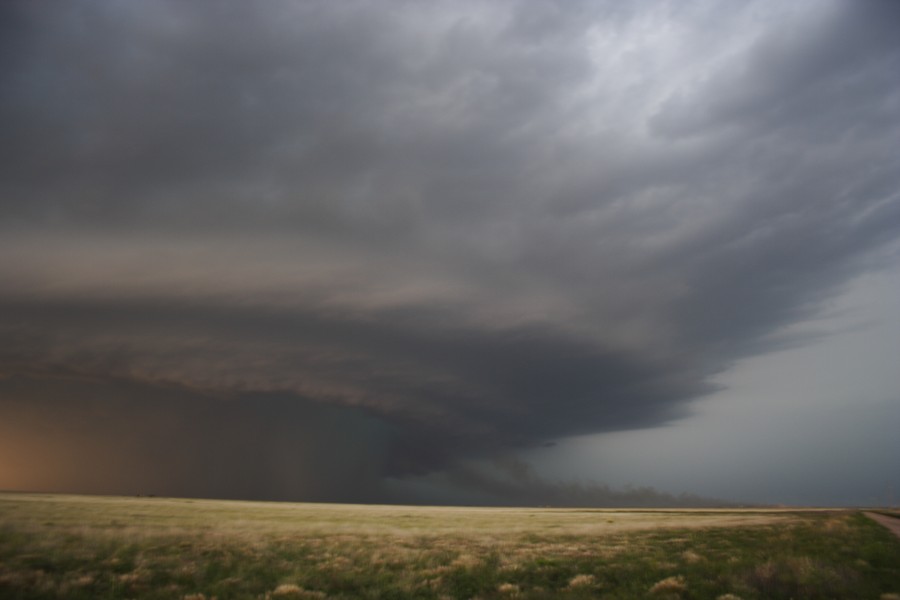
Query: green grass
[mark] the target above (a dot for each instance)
(104, 547)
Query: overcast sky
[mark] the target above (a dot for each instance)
(464, 251)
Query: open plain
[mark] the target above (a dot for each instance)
(67, 546)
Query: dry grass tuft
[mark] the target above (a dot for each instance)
(508, 589)
(290, 590)
(466, 561)
(670, 586)
(764, 574)
(691, 557)
(890, 597)
(772, 574)
(129, 578)
(581, 580)
(728, 597)
(287, 589)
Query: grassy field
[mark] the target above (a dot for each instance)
(57, 546)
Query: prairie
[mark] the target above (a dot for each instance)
(67, 546)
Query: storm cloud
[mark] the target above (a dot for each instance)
(449, 230)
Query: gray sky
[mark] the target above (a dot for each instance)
(451, 251)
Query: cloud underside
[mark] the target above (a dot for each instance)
(442, 231)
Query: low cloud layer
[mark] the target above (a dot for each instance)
(462, 228)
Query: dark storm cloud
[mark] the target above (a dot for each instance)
(479, 225)
(452, 392)
(77, 434)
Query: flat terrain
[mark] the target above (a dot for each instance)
(61, 546)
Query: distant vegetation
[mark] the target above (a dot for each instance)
(102, 547)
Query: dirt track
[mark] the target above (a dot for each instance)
(892, 523)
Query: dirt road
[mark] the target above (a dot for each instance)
(891, 523)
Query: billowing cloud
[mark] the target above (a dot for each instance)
(474, 226)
